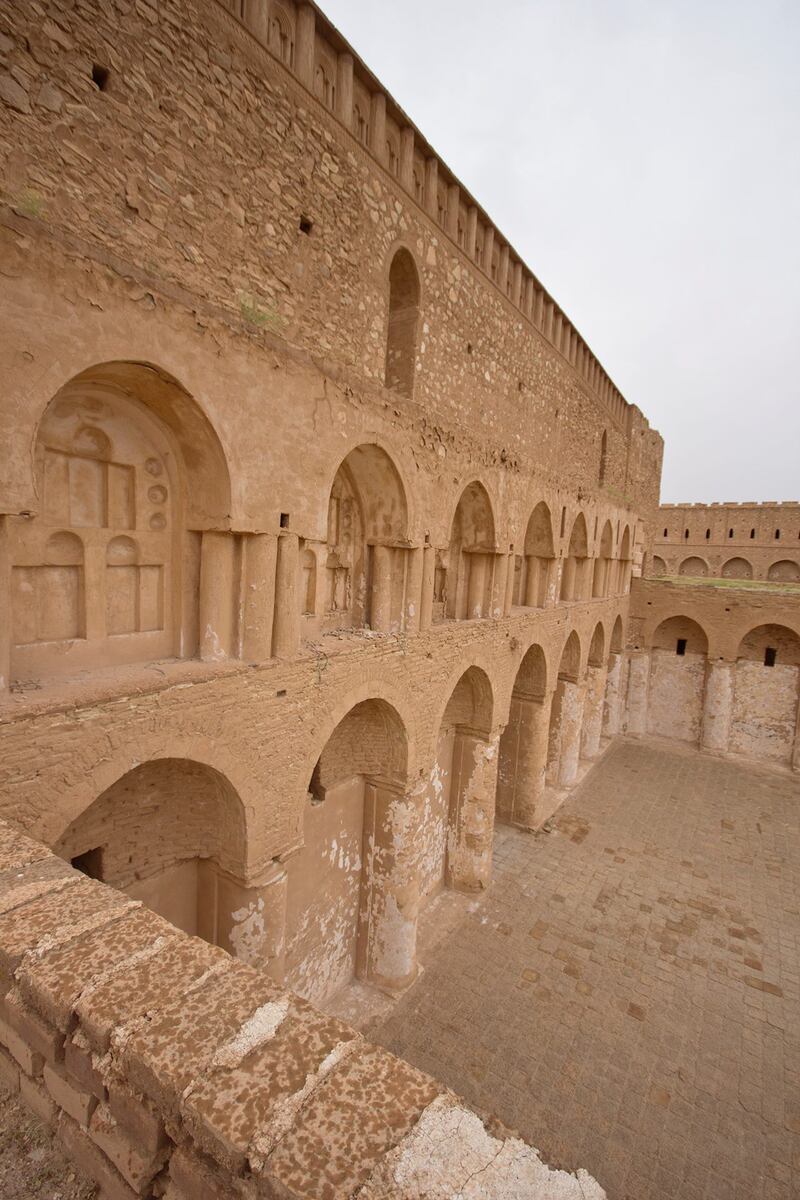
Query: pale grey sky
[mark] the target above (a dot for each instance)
(644, 159)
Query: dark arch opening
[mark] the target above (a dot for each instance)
(401, 340)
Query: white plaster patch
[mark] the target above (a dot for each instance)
(449, 1155)
(248, 932)
(258, 1029)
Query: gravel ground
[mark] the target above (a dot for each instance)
(32, 1166)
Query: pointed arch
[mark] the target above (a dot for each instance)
(470, 555)
(401, 336)
(573, 580)
(602, 564)
(532, 585)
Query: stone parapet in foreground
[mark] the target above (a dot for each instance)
(168, 1068)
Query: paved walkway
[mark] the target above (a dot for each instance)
(627, 995)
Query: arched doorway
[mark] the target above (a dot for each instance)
(595, 693)
(767, 686)
(677, 680)
(470, 556)
(172, 834)
(566, 717)
(343, 916)
(129, 472)
(523, 745)
(459, 828)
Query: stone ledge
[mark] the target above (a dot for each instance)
(166, 1067)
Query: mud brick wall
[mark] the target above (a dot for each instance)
(167, 1068)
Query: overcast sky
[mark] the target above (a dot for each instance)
(644, 159)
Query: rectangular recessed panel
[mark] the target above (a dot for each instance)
(151, 593)
(59, 603)
(23, 605)
(56, 488)
(87, 493)
(121, 599)
(121, 497)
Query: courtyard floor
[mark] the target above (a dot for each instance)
(627, 995)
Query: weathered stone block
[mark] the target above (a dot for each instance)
(75, 1101)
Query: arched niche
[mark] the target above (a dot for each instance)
(597, 646)
(602, 469)
(470, 556)
(784, 571)
(171, 833)
(335, 893)
(659, 567)
(401, 334)
(535, 567)
(366, 552)
(737, 568)
(767, 687)
(601, 580)
(460, 801)
(128, 473)
(573, 579)
(617, 637)
(693, 568)
(522, 755)
(677, 679)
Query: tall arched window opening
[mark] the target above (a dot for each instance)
(401, 339)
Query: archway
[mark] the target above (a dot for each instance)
(625, 555)
(784, 571)
(106, 572)
(693, 568)
(566, 715)
(573, 580)
(737, 568)
(534, 579)
(678, 655)
(615, 682)
(765, 703)
(172, 834)
(344, 914)
(596, 671)
(659, 567)
(460, 806)
(522, 758)
(601, 581)
(401, 336)
(470, 556)
(366, 563)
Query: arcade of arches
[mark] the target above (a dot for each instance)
(135, 557)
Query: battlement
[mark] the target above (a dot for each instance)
(163, 1063)
(699, 506)
(312, 50)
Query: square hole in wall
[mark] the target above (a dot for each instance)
(770, 655)
(306, 225)
(681, 647)
(100, 77)
(284, 520)
(90, 862)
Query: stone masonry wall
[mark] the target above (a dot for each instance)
(747, 540)
(167, 1068)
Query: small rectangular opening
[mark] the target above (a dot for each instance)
(89, 863)
(306, 225)
(681, 647)
(770, 654)
(284, 520)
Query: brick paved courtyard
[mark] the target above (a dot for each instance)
(627, 995)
